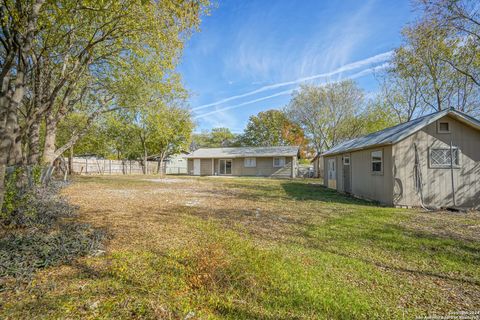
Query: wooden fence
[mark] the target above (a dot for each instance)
(103, 166)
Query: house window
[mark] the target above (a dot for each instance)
(278, 162)
(346, 160)
(441, 157)
(250, 162)
(377, 161)
(443, 127)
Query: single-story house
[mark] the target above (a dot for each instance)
(432, 161)
(278, 162)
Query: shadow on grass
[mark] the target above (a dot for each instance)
(290, 190)
(263, 224)
(384, 240)
(317, 192)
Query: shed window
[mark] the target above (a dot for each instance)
(278, 162)
(346, 160)
(443, 127)
(441, 157)
(250, 162)
(377, 161)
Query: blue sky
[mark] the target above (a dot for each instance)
(250, 55)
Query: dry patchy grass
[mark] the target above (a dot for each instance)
(250, 248)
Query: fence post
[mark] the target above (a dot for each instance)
(86, 166)
(110, 162)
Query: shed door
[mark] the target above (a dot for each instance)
(196, 167)
(332, 174)
(347, 184)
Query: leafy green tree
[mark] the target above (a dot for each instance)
(95, 141)
(273, 128)
(110, 57)
(221, 137)
(216, 138)
(122, 135)
(169, 131)
(376, 116)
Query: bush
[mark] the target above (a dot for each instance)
(22, 253)
(40, 207)
(35, 233)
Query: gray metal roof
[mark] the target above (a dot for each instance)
(399, 132)
(287, 151)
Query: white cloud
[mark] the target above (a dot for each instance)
(287, 92)
(348, 67)
(282, 93)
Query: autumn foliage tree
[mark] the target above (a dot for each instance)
(273, 128)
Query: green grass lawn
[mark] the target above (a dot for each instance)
(248, 248)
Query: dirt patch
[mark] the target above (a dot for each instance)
(169, 180)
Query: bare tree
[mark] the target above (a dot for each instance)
(462, 19)
(326, 112)
(422, 79)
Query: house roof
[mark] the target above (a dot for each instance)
(287, 151)
(399, 132)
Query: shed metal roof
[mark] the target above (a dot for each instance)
(241, 152)
(399, 132)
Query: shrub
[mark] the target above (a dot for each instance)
(40, 207)
(21, 253)
(35, 234)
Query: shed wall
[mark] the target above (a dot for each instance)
(365, 183)
(437, 182)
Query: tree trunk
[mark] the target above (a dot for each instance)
(144, 145)
(33, 141)
(70, 161)
(7, 141)
(50, 135)
(16, 153)
(162, 164)
(9, 132)
(145, 163)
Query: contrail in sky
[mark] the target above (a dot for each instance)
(287, 92)
(348, 67)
